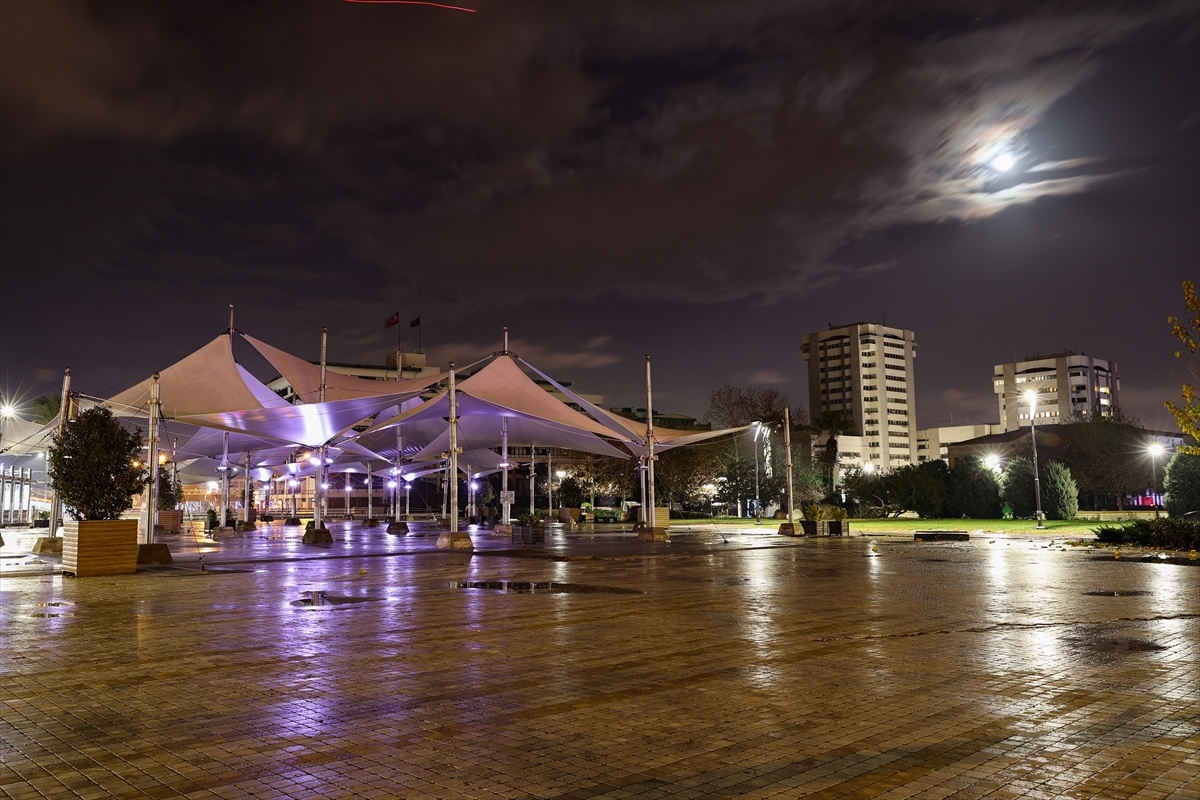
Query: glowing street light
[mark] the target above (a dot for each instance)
(1155, 451)
(1031, 396)
(868, 467)
(993, 462)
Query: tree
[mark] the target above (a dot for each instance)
(1105, 453)
(170, 491)
(1181, 482)
(939, 470)
(1187, 416)
(45, 408)
(1019, 490)
(604, 476)
(94, 466)
(974, 492)
(833, 424)
(910, 488)
(683, 472)
(1060, 495)
(570, 493)
(869, 491)
(736, 481)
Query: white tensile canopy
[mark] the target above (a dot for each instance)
(501, 390)
(305, 378)
(309, 424)
(664, 438)
(205, 382)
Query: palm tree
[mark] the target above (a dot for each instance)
(833, 424)
(45, 408)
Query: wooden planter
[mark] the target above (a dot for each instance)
(100, 547)
(809, 526)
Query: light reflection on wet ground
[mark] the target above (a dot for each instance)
(861, 667)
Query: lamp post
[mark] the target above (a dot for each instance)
(347, 495)
(1156, 450)
(1031, 396)
(757, 507)
(407, 486)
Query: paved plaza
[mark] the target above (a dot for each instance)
(722, 664)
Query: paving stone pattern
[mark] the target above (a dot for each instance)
(807, 668)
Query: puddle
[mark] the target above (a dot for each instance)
(1118, 594)
(60, 614)
(319, 599)
(54, 604)
(729, 581)
(540, 587)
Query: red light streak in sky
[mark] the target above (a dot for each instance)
(412, 3)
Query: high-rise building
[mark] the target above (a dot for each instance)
(1065, 383)
(865, 372)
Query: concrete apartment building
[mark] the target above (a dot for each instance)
(1065, 383)
(865, 371)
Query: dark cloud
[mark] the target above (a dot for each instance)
(593, 165)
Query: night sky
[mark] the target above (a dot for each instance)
(705, 182)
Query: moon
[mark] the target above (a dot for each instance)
(1003, 162)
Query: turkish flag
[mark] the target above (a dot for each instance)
(394, 319)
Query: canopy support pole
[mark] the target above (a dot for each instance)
(790, 529)
(370, 492)
(454, 539)
(532, 479)
(224, 477)
(319, 533)
(505, 505)
(152, 452)
(246, 523)
(396, 525)
(64, 413)
(650, 533)
(549, 482)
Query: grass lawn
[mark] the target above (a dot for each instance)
(1023, 526)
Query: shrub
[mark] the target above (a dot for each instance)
(94, 466)
(1060, 496)
(1019, 491)
(837, 514)
(812, 512)
(1181, 482)
(974, 492)
(1170, 533)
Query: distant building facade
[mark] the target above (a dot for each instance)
(934, 443)
(1065, 383)
(865, 371)
(663, 419)
(412, 365)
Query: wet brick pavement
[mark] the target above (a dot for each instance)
(765, 667)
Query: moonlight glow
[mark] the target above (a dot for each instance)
(1003, 162)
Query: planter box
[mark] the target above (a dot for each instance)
(810, 527)
(835, 527)
(100, 547)
(170, 521)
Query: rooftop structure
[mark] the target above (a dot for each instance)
(1065, 383)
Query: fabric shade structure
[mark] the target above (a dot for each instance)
(305, 378)
(501, 389)
(19, 438)
(310, 424)
(633, 430)
(207, 381)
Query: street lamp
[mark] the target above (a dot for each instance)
(1031, 396)
(1156, 450)
(993, 462)
(868, 467)
(757, 506)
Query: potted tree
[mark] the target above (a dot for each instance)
(94, 464)
(812, 517)
(837, 521)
